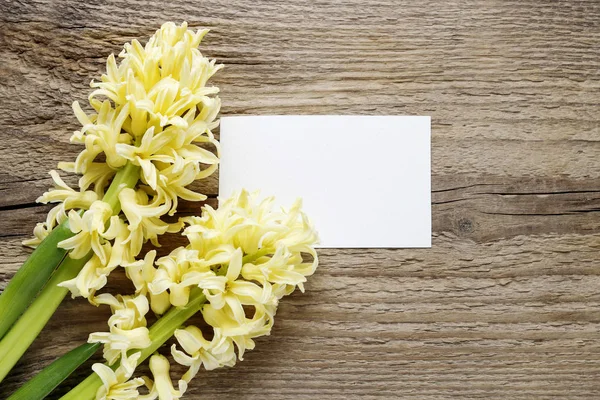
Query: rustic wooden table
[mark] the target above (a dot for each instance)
(506, 304)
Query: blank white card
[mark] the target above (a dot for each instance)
(365, 180)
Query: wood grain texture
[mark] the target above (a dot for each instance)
(506, 304)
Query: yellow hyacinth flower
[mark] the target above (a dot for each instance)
(243, 258)
(215, 353)
(154, 112)
(88, 230)
(163, 386)
(127, 326)
(117, 385)
(67, 199)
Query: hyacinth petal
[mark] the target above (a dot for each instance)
(136, 212)
(112, 71)
(191, 339)
(235, 265)
(107, 299)
(141, 272)
(198, 154)
(160, 367)
(236, 307)
(80, 115)
(250, 292)
(67, 166)
(209, 281)
(116, 384)
(179, 295)
(160, 303)
(149, 172)
(58, 181)
(182, 358)
(106, 374)
(158, 286)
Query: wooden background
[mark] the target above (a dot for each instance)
(506, 304)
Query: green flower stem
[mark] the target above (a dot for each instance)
(160, 332)
(27, 328)
(126, 177)
(31, 277)
(50, 377)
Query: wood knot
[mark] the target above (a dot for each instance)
(465, 225)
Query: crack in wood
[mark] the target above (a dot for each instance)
(20, 206)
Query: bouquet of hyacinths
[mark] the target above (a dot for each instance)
(153, 115)
(144, 144)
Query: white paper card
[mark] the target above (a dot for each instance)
(365, 180)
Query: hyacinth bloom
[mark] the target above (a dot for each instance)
(156, 113)
(242, 258)
(147, 137)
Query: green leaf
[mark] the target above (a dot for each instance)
(31, 277)
(50, 377)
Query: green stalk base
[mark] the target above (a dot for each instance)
(31, 277)
(28, 327)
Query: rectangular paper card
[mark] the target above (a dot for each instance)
(365, 180)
